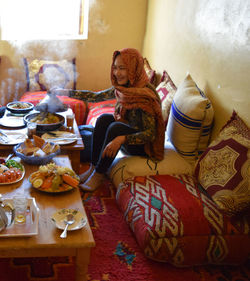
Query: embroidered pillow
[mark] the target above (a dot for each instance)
(98, 108)
(166, 90)
(223, 170)
(41, 75)
(150, 72)
(190, 120)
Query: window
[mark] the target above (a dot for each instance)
(43, 19)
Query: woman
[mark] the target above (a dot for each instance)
(137, 125)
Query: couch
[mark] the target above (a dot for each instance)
(193, 206)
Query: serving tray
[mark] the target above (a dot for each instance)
(30, 228)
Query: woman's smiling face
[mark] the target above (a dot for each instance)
(120, 71)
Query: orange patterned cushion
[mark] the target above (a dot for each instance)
(79, 107)
(98, 108)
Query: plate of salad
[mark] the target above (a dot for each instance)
(11, 171)
(51, 178)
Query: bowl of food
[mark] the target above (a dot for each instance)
(36, 151)
(45, 121)
(19, 107)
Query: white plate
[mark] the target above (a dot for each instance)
(6, 183)
(60, 134)
(14, 137)
(59, 216)
(12, 121)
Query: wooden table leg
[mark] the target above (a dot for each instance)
(82, 261)
(74, 157)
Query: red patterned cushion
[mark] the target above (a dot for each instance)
(223, 169)
(79, 107)
(175, 222)
(98, 108)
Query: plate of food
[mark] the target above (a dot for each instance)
(51, 178)
(11, 171)
(60, 137)
(59, 217)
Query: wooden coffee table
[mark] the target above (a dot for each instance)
(72, 150)
(48, 242)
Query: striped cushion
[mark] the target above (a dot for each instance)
(79, 107)
(98, 108)
(190, 121)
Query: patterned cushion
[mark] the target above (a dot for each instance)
(190, 120)
(42, 75)
(224, 168)
(79, 107)
(173, 221)
(150, 72)
(98, 108)
(166, 90)
(125, 166)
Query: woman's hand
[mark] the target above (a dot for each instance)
(112, 147)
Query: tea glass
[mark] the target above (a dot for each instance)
(31, 129)
(20, 205)
(70, 120)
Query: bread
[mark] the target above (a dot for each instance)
(28, 143)
(29, 150)
(39, 142)
(47, 148)
(39, 153)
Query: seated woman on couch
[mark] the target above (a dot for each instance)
(137, 126)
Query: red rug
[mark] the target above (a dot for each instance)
(116, 255)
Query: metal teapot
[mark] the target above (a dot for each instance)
(4, 208)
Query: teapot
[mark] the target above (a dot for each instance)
(4, 208)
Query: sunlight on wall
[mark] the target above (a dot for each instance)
(57, 19)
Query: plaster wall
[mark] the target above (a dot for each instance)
(210, 39)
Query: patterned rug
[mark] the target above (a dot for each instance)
(116, 255)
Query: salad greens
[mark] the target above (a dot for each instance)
(14, 164)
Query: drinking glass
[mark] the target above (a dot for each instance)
(20, 206)
(31, 129)
(70, 120)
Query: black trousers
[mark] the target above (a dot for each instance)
(106, 129)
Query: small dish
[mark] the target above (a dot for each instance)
(19, 107)
(60, 137)
(59, 216)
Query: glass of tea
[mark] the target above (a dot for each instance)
(70, 120)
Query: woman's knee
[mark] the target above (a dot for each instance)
(105, 119)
